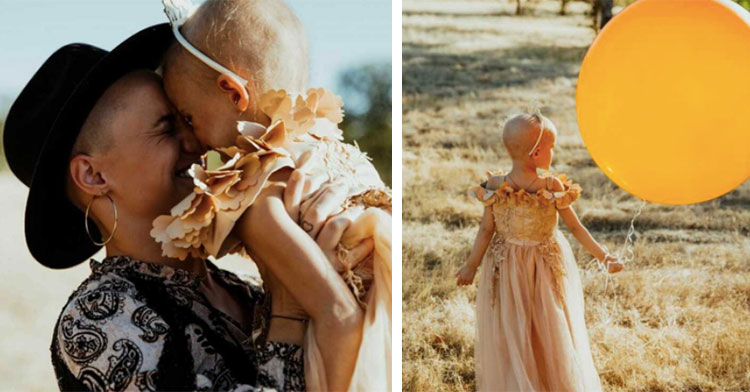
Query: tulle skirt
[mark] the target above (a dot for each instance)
(373, 368)
(531, 333)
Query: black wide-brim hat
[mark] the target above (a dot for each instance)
(43, 124)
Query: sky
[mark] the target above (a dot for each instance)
(341, 33)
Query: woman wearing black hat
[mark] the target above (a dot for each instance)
(103, 153)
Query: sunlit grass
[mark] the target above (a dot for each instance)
(682, 318)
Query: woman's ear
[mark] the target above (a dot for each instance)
(234, 91)
(84, 175)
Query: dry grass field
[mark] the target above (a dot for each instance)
(682, 322)
(31, 297)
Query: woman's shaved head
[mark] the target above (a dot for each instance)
(96, 132)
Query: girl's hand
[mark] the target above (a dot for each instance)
(613, 264)
(465, 276)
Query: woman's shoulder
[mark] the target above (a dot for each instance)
(106, 328)
(99, 291)
(109, 304)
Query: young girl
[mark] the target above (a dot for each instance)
(234, 76)
(531, 333)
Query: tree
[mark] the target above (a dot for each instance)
(563, 3)
(602, 10)
(366, 91)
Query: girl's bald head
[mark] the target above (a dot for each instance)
(522, 131)
(260, 39)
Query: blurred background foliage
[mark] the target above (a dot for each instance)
(366, 91)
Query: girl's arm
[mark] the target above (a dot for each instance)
(465, 275)
(299, 263)
(583, 236)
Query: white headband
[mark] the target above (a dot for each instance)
(178, 11)
(538, 139)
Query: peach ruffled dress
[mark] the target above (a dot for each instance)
(531, 333)
(301, 131)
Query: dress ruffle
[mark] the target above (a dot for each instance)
(571, 192)
(506, 193)
(200, 225)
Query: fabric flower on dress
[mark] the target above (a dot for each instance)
(300, 132)
(318, 112)
(571, 192)
(506, 193)
(324, 104)
(201, 224)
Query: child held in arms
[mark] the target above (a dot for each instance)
(236, 73)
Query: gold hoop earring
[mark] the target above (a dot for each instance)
(86, 220)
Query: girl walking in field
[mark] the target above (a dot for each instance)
(531, 333)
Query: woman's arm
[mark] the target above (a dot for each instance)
(486, 229)
(299, 263)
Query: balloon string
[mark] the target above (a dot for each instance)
(625, 255)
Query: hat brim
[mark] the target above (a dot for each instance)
(55, 232)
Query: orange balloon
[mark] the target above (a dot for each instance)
(663, 99)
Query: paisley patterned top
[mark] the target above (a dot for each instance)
(133, 325)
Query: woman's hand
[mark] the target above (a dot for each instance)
(310, 200)
(316, 206)
(465, 276)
